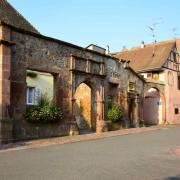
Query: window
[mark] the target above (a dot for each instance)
(149, 75)
(131, 86)
(176, 111)
(178, 82)
(155, 76)
(31, 95)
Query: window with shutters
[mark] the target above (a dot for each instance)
(38, 94)
(31, 95)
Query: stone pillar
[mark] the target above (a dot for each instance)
(72, 123)
(101, 125)
(136, 112)
(126, 108)
(5, 69)
(141, 107)
(102, 69)
(72, 86)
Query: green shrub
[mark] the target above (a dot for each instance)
(44, 112)
(31, 74)
(44, 101)
(114, 113)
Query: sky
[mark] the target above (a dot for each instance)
(116, 23)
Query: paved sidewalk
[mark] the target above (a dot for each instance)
(72, 139)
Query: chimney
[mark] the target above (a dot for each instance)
(142, 44)
(124, 48)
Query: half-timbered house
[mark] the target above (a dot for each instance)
(159, 64)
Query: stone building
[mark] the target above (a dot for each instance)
(159, 64)
(125, 87)
(102, 76)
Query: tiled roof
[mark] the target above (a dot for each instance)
(151, 56)
(12, 17)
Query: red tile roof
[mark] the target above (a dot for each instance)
(152, 56)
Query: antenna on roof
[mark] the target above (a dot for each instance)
(154, 40)
(124, 48)
(153, 34)
(152, 29)
(174, 30)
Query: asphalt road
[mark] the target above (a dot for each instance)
(144, 156)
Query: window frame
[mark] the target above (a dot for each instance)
(27, 96)
(176, 111)
(155, 76)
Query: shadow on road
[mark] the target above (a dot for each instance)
(173, 178)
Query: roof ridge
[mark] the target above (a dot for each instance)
(136, 48)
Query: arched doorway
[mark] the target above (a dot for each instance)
(83, 108)
(153, 107)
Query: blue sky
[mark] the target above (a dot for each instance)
(116, 23)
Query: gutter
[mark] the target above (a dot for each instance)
(150, 70)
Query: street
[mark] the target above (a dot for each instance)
(146, 156)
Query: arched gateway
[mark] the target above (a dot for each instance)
(83, 108)
(88, 75)
(154, 108)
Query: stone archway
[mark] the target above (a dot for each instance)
(83, 107)
(92, 74)
(154, 107)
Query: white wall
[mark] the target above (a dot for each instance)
(43, 81)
